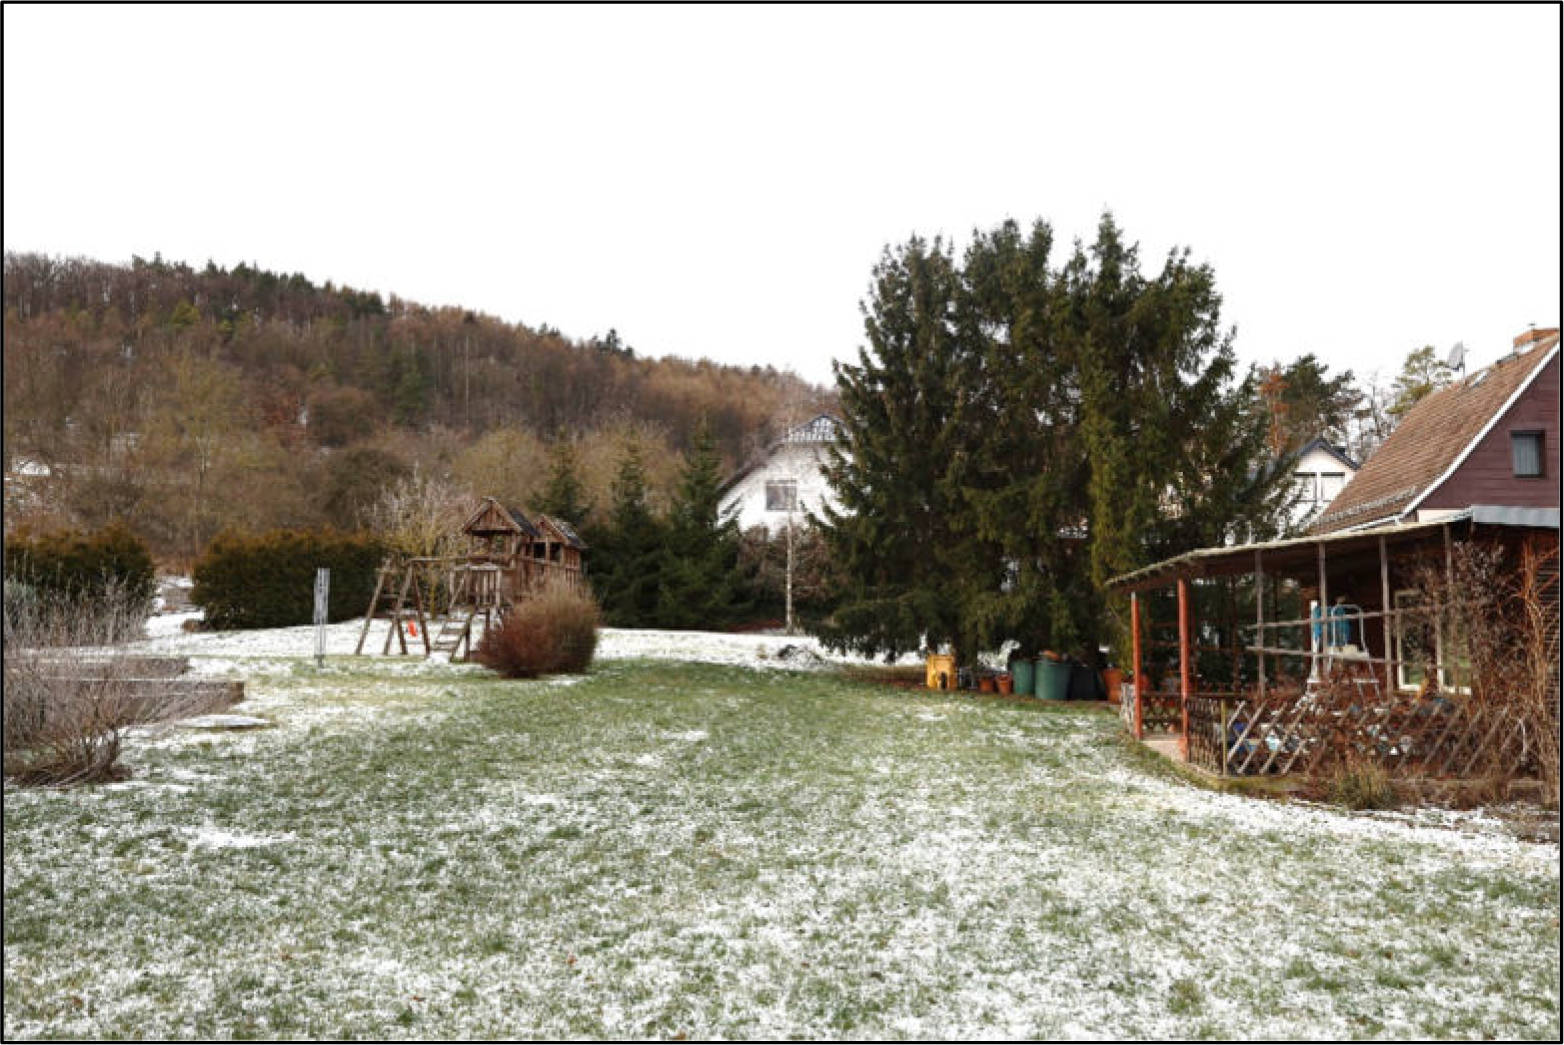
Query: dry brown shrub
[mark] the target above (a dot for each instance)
(553, 631)
(71, 689)
(1506, 607)
(1359, 782)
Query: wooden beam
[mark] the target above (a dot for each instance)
(1384, 594)
(1185, 668)
(1324, 604)
(1135, 657)
(1259, 621)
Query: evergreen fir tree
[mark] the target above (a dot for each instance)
(700, 583)
(897, 539)
(628, 553)
(563, 495)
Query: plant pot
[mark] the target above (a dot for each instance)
(986, 684)
(1111, 679)
(1005, 683)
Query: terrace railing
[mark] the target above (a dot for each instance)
(1407, 734)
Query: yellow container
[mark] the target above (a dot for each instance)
(942, 671)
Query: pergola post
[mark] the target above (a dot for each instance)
(1321, 664)
(1135, 657)
(1384, 595)
(1185, 668)
(1259, 617)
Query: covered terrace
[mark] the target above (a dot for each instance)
(1278, 657)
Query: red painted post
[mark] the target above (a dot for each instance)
(1135, 645)
(1184, 667)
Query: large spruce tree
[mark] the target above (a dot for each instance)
(700, 583)
(628, 550)
(563, 496)
(1015, 434)
(898, 536)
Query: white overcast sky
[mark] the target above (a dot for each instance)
(720, 182)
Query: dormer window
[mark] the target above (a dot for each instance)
(1526, 454)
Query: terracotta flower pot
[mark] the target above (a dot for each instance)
(986, 684)
(1005, 683)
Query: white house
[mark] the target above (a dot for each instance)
(788, 481)
(1319, 473)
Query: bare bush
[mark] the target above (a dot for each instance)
(1498, 617)
(553, 631)
(1535, 594)
(1358, 782)
(421, 516)
(71, 688)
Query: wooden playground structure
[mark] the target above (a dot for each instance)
(510, 558)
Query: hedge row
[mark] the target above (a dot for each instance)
(268, 580)
(75, 565)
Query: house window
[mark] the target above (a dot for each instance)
(1422, 644)
(782, 495)
(1303, 485)
(1416, 642)
(1331, 484)
(1526, 454)
(1455, 659)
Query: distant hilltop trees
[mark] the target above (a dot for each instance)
(185, 399)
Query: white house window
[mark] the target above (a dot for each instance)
(1304, 487)
(782, 495)
(1331, 484)
(1526, 454)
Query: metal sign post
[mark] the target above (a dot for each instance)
(322, 598)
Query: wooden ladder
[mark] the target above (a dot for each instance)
(455, 634)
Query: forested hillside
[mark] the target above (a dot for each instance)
(186, 400)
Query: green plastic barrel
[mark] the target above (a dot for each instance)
(1053, 679)
(1025, 677)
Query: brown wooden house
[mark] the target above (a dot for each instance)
(1343, 612)
(1491, 438)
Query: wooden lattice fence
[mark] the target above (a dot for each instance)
(1407, 734)
(1161, 712)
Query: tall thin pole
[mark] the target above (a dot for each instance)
(1259, 617)
(1135, 657)
(1384, 595)
(1323, 640)
(1184, 667)
(322, 602)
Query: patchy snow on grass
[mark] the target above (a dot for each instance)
(688, 841)
(216, 838)
(778, 652)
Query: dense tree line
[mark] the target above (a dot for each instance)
(186, 400)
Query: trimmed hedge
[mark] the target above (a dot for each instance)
(74, 565)
(268, 580)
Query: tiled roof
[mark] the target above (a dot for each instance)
(1428, 441)
(565, 530)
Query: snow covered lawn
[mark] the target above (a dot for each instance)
(730, 850)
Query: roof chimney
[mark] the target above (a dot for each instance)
(1532, 336)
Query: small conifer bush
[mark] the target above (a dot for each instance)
(553, 632)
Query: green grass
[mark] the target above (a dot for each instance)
(665, 849)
